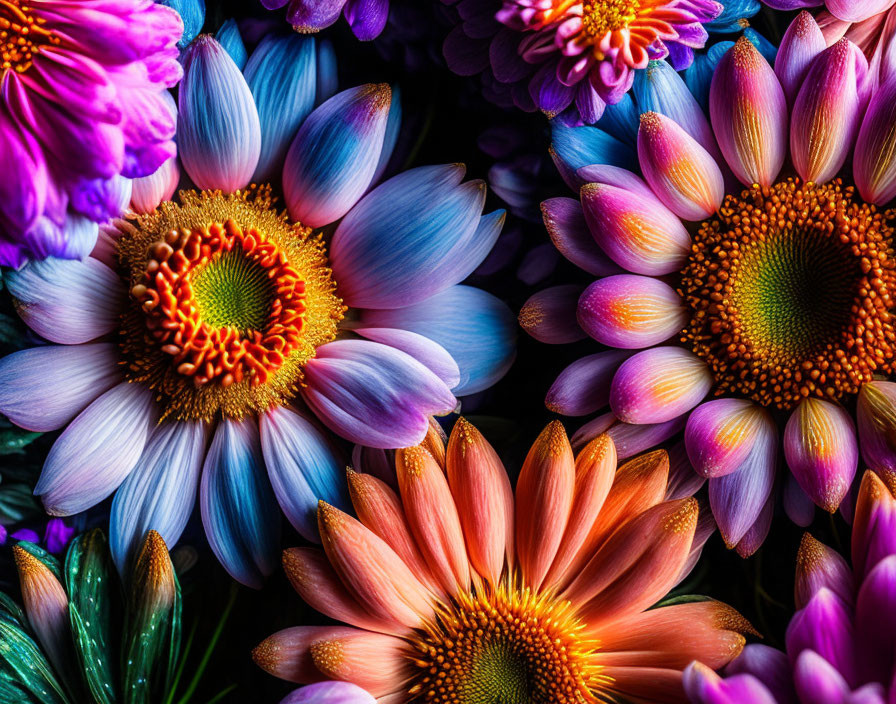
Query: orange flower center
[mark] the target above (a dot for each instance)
(602, 16)
(790, 290)
(510, 646)
(21, 36)
(230, 300)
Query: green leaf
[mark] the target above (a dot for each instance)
(13, 441)
(89, 577)
(23, 665)
(17, 504)
(152, 628)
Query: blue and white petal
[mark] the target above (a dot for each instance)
(239, 510)
(431, 354)
(160, 492)
(228, 36)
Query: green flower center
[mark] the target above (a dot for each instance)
(233, 291)
(790, 293)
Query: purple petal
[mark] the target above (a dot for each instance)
(565, 223)
(770, 666)
(819, 567)
(758, 532)
(550, 315)
(874, 168)
(367, 18)
(875, 627)
(824, 626)
(704, 686)
(802, 42)
(584, 386)
(329, 693)
(876, 416)
(799, 507)
(307, 16)
(721, 433)
(817, 681)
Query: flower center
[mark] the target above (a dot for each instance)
(21, 35)
(790, 293)
(509, 646)
(229, 302)
(602, 16)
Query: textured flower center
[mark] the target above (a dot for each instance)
(602, 16)
(230, 300)
(509, 646)
(21, 36)
(790, 292)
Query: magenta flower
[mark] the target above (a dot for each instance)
(844, 11)
(774, 296)
(575, 58)
(82, 105)
(216, 344)
(841, 641)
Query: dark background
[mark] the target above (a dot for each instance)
(444, 118)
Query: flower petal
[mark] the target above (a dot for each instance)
(329, 693)
(876, 416)
(631, 312)
(43, 388)
(304, 467)
(720, 434)
(97, 450)
(239, 511)
(824, 626)
(873, 167)
(659, 384)
(67, 301)
(332, 159)
(584, 386)
(160, 492)
(638, 233)
(565, 223)
(802, 42)
(431, 354)
(749, 115)
(218, 132)
(704, 686)
(819, 567)
(874, 525)
(373, 394)
(550, 315)
(821, 451)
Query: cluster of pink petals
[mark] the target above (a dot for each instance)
(610, 541)
(819, 105)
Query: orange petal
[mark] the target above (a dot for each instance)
(673, 636)
(371, 571)
(647, 685)
(595, 471)
(639, 563)
(434, 442)
(432, 516)
(311, 575)
(544, 495)
(372, 661)
(380, 510)
(639, 484)
(287, 654)
(484, 498)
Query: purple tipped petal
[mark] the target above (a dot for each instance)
(802, 42)
(875, 614)
(720, 434)
(658, 385)
(874, 527)
(637, 232)
(43, 388)
(683, 480)
(819, 567)
(769, 665)
(824, 626)
(874, 167)
(758, 532)
(681, 172)
(373, 394)
(876, 416)
(67, 301)
(584, 386)
(817, 681)
(565, 223)
(632, 439)
(431, 354)
(631, 312)
(367, 18)
(799, 507)
(827, 112)
(821, 451)
(218, 131)
(329, 693)
(550, 315)
(97, 450)
(334, 156)
(737, 499)
(749, 114)
(704, 686)
(307, 16)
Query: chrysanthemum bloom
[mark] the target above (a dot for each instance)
(82, 88)
(366, 17)
(776, 295)
(843, 12)
(205, 319)
(457, 590)
(840, 642)
(575, 58)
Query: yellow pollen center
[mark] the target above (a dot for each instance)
(21, 36)
(602, 16)
(508, 645)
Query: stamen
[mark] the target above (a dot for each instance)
(22, 34)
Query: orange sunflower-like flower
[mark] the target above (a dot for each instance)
(459, 591)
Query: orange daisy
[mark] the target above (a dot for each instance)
(459, 591)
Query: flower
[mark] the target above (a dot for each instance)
(455, 589)
(841, 639)
(844, 11)
(82, 104)
(60, 646)
(774, 294)
(575, 58)
(56, 535)
(205, 342)
(367, 18)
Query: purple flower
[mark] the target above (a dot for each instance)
(366, 17)
(841, 642)
(81, 108)
(213, 346)
(722, 274)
